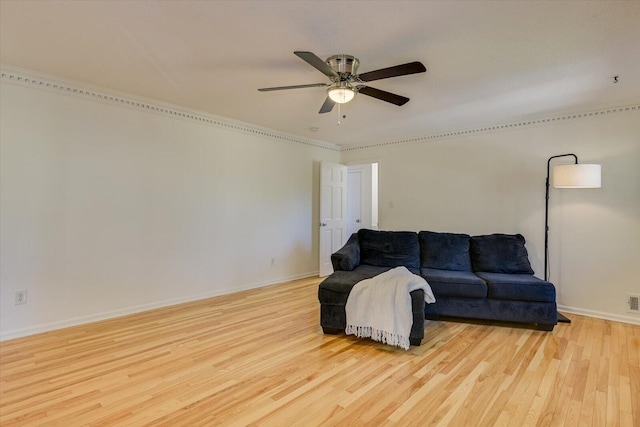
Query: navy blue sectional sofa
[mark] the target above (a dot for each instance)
(481, 277)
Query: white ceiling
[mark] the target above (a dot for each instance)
(488, 62)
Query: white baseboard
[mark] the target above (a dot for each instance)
(47, 327)
(600, 315)
(82, 320)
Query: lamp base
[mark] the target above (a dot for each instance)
(563, 319)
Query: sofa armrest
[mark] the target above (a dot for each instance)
(347, 257)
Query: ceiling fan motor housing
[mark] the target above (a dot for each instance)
(345, 65)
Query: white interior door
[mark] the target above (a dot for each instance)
(333, 213)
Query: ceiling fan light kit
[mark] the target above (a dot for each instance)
(341, 93)
(345, 82)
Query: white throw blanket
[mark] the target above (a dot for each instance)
(380, 308)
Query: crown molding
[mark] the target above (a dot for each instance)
(493, 128)
(30, 79)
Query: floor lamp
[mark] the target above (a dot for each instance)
(567, 176)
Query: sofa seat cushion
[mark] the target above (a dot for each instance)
(521, 287)
(445, 251)
(445, 283)
(336, 288)
(389, 248)
(500, 253)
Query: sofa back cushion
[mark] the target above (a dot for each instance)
(444, 251)
(389, 248)
(500, 253)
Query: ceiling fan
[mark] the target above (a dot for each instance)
(345, 83)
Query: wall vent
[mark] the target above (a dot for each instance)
(634, 303)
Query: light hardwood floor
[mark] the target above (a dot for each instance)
(259, 358)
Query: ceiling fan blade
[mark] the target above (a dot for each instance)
(382, 95)
(317, 63)
(398, 70)
(268, 89)
(327, 106)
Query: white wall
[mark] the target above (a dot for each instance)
(493, 181)
(109, 208)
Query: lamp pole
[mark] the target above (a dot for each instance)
(546, 212)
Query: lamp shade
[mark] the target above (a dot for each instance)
(577, 176)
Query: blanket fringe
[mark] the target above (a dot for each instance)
(378, 335)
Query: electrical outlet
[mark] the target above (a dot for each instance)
(20, 297)
(634, 303)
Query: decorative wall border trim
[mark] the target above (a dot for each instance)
(172, 111)
(50, 83)
(496, 127)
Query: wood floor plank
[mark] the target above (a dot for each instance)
(259, 358)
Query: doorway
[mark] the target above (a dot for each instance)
(348, 202)
(362, 197)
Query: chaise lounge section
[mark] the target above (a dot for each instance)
(363, 258)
